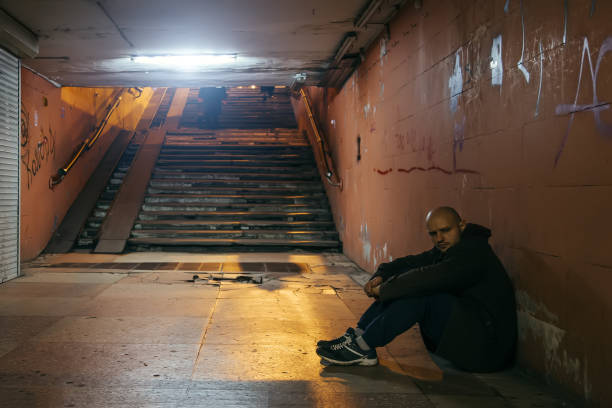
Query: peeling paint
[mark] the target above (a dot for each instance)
(534, 307)
(383, 50)
(551, 338)
(366, 245)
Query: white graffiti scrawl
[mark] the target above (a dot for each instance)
(455, 84)
(597, 106)
(497, 67)
(520, 64)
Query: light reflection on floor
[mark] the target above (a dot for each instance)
(88, 333)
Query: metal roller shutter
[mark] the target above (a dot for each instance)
(9, 166)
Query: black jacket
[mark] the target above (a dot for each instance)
(481, 333)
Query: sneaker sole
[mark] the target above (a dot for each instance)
(361, 361)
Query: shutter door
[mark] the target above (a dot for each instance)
(9, 166)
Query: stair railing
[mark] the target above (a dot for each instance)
(321, 143)
(88, 143)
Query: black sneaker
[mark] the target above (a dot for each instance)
(350, 333)
(348, 353)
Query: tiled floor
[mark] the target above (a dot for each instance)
(82, 331)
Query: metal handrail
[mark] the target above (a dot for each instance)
(322, 144)
(89, 142)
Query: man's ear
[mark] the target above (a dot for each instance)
(461, 225)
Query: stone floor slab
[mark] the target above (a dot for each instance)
(126, 329)
(161, 307)
(16, 288)
(75, 277)
(40, 364)
(160, 290)
(41, 306)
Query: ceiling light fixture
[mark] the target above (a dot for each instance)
(186, 62)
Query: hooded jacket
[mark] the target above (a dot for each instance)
(481, 332)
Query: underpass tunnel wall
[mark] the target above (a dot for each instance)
(54, 122)
(501, 110)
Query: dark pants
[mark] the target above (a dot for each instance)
(382, 322)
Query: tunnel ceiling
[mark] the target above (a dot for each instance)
(265, 42)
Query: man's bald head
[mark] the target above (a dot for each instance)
(444, 212)
(444, 226)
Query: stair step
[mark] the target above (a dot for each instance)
(236, 242)
(196, 162)
(246, 215)
(220, 148)
(252, 233)
(253, 167)
(234, 198)
(193, 176)
(229, 207)
(288, 184)
(233, 224)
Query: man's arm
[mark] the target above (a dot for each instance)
(399, 265)
(459, 271)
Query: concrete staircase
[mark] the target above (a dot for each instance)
(230, 188)
(250, 187)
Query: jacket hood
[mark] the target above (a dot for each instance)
(476, 231)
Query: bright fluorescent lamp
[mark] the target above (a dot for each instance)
(187, 62)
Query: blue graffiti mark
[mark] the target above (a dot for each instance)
(506, 6)
(597, 106)
(537, 110)
(496, 65)
(592, 8)
(455, 83)
(521, 67)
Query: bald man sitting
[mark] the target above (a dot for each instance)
(458, 292)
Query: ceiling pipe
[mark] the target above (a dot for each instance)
(362, 20)
(348, 41)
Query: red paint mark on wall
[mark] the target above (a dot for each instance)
(437, 168)
(426, 169)
(383, 172)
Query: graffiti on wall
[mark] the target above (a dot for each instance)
(455, 83)
(520, 64)
(497, 72)
(496, 64)
(605, 129)
(25, 125)
(35, 153)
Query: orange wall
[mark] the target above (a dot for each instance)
(506, 151)
(54, 121)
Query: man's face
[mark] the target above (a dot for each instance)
(444, 231)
